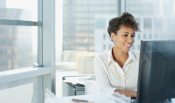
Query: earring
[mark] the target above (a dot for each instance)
(113, 40)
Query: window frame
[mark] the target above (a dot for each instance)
(45, 66)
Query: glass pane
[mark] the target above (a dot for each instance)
(19, 9)
(18, 46)
(84, 26)
(21, 91)
(156, 19)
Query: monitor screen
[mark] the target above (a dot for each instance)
(156, 82)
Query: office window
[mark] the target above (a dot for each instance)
(5, 63)
(4, 41)
(22, 47)
(150, 36)
(0, 31)
(95, 8)
(1, 41)
(1, 51)
(104, 47)
(138, 36)
(85, 19)
(94, 2)
(147, 23)
(112, 8)
(155, 22)
(144, 36)
(19, 29)
(100, 23)
(1, 63)
(23, 33)
(104, 36)
(158, 23)
(4, 51)
(109, 2)
(79, 2)
(19, 10)
(155, 36)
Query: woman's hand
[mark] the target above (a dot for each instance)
(134, 93)
(127, 93)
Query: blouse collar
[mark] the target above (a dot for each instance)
(130, 53)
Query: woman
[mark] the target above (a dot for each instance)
(117, 70)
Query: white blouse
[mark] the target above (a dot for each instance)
(110, 76)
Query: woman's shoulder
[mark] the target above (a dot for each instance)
(136, 53)
(101, 56)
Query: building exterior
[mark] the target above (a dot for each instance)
(79, 22)
(85, 22)
(15, 41)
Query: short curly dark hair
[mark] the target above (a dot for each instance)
(126, 19)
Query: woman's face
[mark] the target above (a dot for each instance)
(124, 38)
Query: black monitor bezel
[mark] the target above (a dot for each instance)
(140, 67)
(139, 74)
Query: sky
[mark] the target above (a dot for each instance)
(30, 5)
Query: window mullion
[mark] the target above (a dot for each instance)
(40, 36)
(19, 22)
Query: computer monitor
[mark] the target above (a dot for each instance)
(156, 82)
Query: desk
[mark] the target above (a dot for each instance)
(96, 98)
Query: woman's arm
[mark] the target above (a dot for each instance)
(102, 79)
(127, 93)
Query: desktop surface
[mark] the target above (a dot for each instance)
(94, 98)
